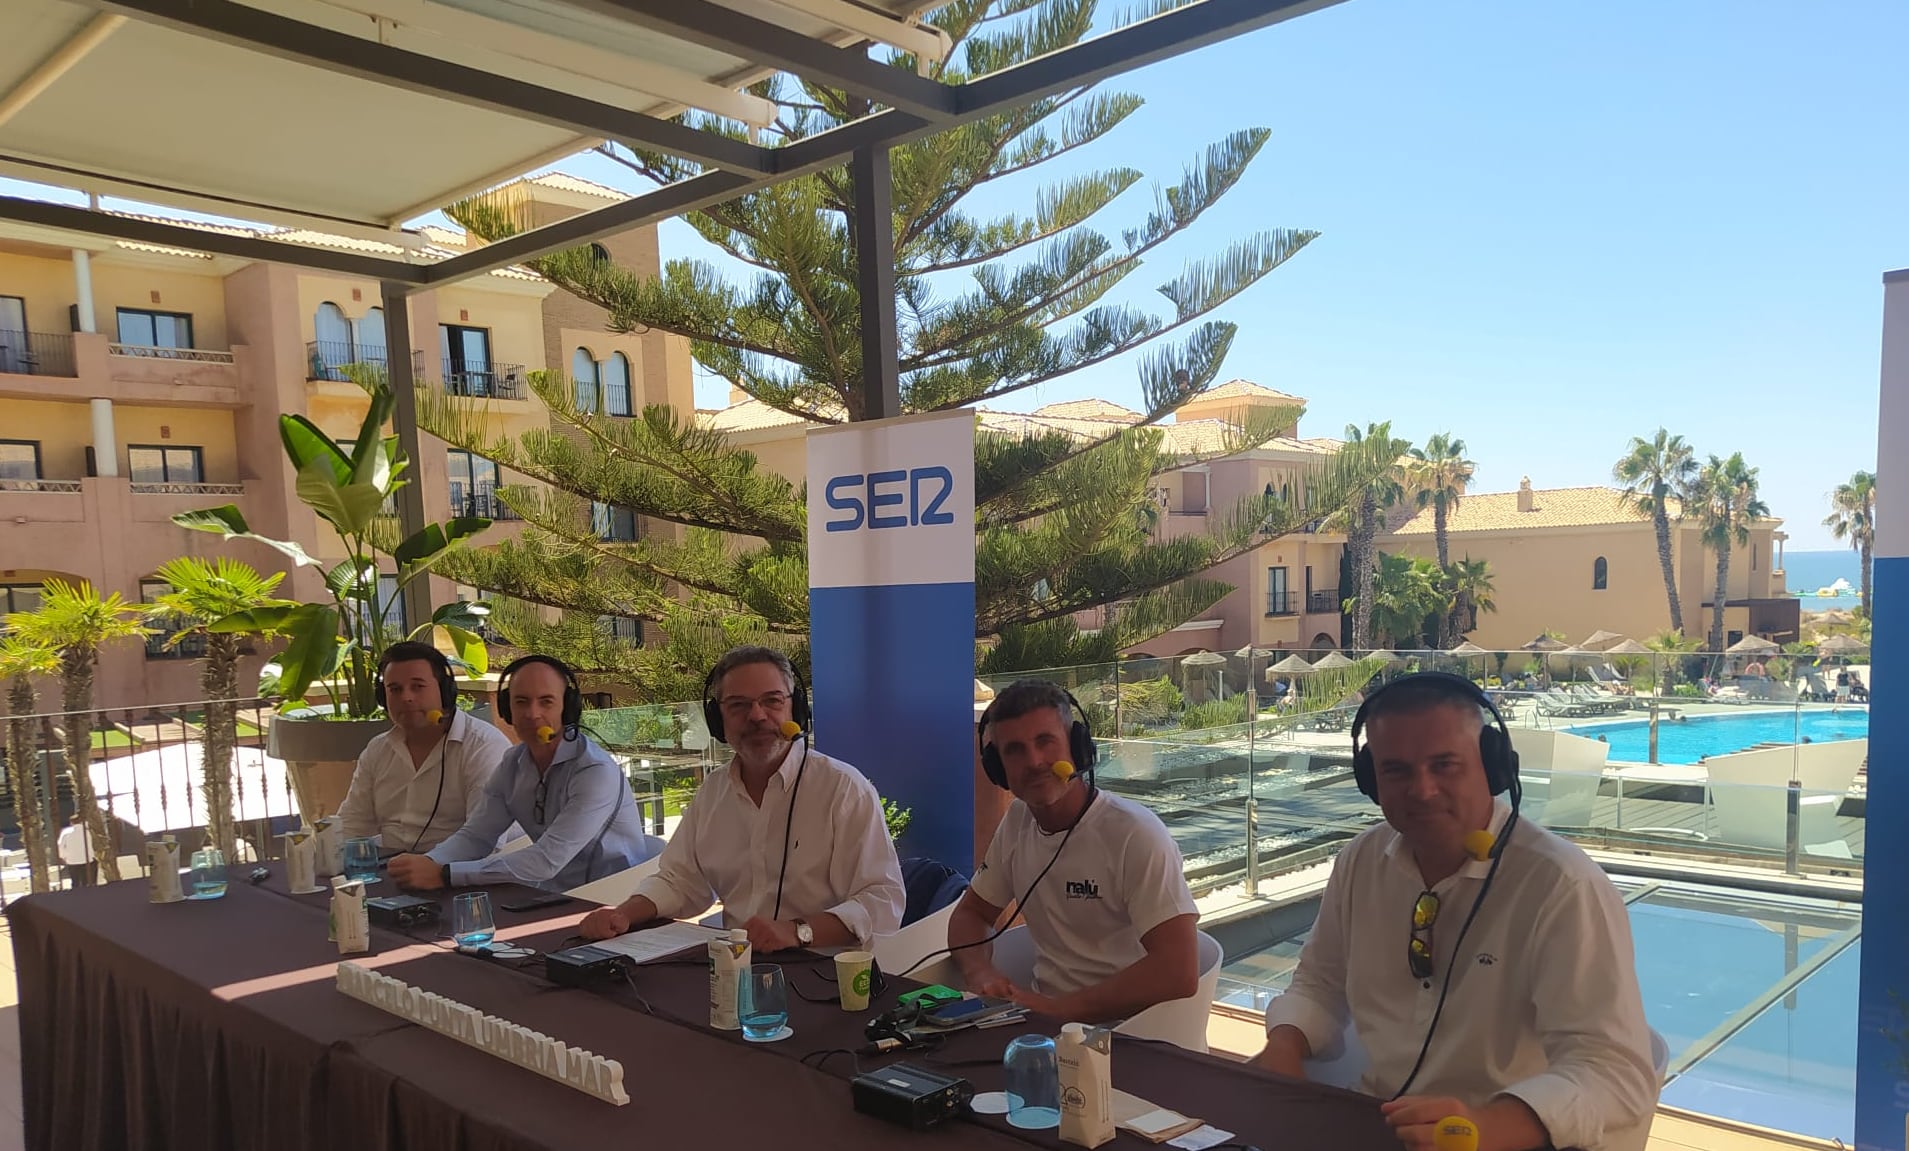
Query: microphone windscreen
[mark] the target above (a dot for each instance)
(1455, 1133)
(434, 715)
(1480, 843)
(547, 733)
(790, 729)
(1064, 769)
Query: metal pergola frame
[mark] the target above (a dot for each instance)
(912, 107)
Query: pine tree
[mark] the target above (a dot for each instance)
(986, 307)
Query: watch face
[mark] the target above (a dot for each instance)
(804, 934)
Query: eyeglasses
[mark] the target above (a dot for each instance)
(740, 706)
(543, 793)
(1419, 952)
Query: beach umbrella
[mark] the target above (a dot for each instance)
(1628, 647)
(1469, 648)
(1598, 640)
(1841, 645)
(1752, 645)
(1387, 656)
(1331, 659)
(1291, 665)
(1545, 643)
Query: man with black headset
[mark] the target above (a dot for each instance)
(792, 841)
(1114, 928)
(1483, 963)
(417, 783)
(569, 796)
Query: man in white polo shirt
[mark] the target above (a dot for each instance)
(420, 781)
(1114, 925)
(792, 841)
(1483, 963)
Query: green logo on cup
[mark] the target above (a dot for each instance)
(861, 982)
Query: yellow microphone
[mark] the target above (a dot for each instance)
(547, 734)
(790, 729)
(1063, 769)
(1479, 844)
(434, 715)
(1455, 1133)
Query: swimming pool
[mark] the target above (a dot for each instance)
(1755, 995)
(1689, 739)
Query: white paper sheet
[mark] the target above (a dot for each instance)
(1200, 1138)
(661, 942)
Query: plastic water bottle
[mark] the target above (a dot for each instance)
(728, 966)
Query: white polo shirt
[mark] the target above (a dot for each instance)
(840, 859)
(1119, 877)
(1544, 1006)
(392, 798)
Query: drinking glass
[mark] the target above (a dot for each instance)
(764, 1005)
(471, 923)
(1034, 1083)
(208, 873)
(361, 859)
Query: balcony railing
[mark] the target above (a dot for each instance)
(170, 489)
(479, 500)
(191, 355)
(1282, 603)
(37, 353)
(328, 359)
(1324, 602)
(485, 381)
(71, 486)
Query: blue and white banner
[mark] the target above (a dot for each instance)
(891, 616)
(1882, 1044)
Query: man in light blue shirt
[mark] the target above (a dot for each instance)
(566, 793)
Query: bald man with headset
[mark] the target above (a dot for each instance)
(1114, 925)
(1484, 964)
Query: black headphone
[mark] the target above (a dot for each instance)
(1494, 739)
(713, 712)
(440, 667)
(1081, 749)
(572, 694)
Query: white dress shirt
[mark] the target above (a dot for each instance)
(1119, 877)
(392, 798)
(1544, 1006)
(841, 861)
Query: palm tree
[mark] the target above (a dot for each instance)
(1471, 580)
(76, 622)
(20, 661)
(1654, 472)
(1675, 644)
(1439, 472)
(1406, 592)
(1361, 521)
(1729, 502)
(204, 592)
(1854, 518)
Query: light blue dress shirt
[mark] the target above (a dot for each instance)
(590, 825)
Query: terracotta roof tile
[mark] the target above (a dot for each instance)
(1246, 390)
(1551, 508)
(1090, 409)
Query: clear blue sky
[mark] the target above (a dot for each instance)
(1547, 226)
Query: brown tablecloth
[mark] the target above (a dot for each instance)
(217, 1025)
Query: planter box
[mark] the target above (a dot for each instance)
(320, 755)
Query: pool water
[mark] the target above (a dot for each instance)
(1706, 959)
(1687, 740)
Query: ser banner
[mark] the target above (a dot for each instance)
(1882, 1042)
(891, 616)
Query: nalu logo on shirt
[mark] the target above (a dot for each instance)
(1083, 889)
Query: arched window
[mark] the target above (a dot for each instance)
(370, 336)
(1600, 574)
(599, 254)
(331, 342)
(616, 385)
(583, 370)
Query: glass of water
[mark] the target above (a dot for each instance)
(471, 924)
(1034, 1083)
(764, 1005)
(361, 859)
(208, 873)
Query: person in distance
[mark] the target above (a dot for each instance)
(1483, 963)
(419, 782)
(1114, 928)
(791, 840)
(569, 796)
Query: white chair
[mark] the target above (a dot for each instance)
(614, 889)
(1182, 1022)
(897, 953)
(1749, 793)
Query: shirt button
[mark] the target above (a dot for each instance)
(1427, 985)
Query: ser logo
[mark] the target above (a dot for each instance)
(923, 490)
(1083, 889)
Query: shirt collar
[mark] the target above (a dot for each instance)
(1473, 869)
(567, 750)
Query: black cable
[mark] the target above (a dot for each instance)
(824, 1056)
(1451, 968)
(1093, 793)
(788, 823)
(443, 769)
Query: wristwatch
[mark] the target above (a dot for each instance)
(445, 874)
(804, 934)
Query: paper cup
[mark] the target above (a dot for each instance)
(852, 975)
